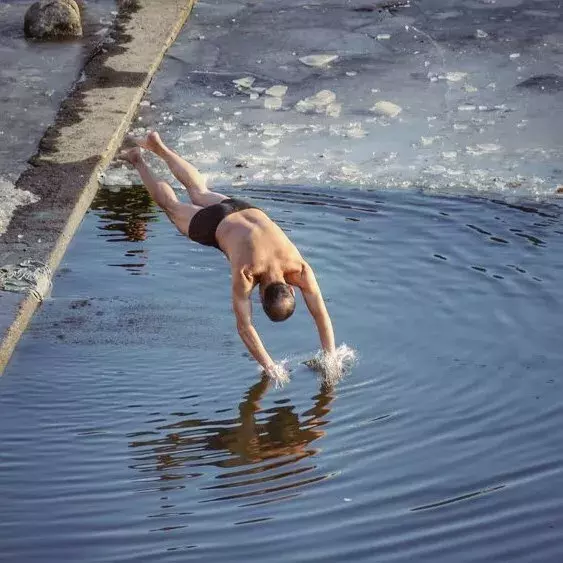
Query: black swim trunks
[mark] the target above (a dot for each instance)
(204, 223)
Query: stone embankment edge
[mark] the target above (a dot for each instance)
(90, 126)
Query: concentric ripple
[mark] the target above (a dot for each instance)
(136, 428)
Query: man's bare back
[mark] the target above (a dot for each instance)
(258, 250)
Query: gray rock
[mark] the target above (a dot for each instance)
(51, 19)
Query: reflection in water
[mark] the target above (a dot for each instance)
(248, 440)
(126, 212)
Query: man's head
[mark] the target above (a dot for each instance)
(278, 300)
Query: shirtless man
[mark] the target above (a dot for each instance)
(258, 250)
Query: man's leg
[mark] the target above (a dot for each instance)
(161, 192)
(184, 172)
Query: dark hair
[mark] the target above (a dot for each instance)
(278, 301)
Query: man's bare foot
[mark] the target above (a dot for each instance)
(152, 143)
(133, 156)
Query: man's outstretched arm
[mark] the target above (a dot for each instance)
(242, 308)
(316, 305)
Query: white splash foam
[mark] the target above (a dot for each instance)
(10, 199)
(333, 367)
(278, 373)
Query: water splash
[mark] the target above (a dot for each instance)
(278, 373)
(333, 367)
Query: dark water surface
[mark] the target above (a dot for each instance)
(134, 427)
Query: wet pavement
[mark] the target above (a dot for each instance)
(441, 95)
(34, 79)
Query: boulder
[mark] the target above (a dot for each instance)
(52, 19)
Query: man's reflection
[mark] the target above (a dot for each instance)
(124, 212)
(247, 439)
(124, 216)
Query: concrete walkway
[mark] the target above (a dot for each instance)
(88, 129)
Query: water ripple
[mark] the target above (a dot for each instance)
(131, 407)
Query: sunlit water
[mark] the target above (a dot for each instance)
(135, 428)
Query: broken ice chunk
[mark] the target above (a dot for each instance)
(427, 141)
(245, 82)
(455, 76)
(254, 95)
(318, 60)
(515, 56)
(272, 142)
(387, 108)
(119, 177)
(316, 103)
(489, 147)
(383, 36)
(351, 73)
(272, 130)
(355, 131)
(467, 107)
(272, 103)
(277, 91)
(481, 34)
(449, 154)
(333, 110)
(218, 94)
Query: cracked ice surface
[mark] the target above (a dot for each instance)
(440, 105)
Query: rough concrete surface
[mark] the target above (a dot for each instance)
(88, 129)
(35, 76)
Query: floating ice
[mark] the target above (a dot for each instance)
(355, 131)
(272, 130)
(450, 155)
(383, 36)
(317, 103)
(219, 94)
(387, 108)
(272, 142)
(245, 82)
(119, 177)
(277, 91)
(455, 76)
(272, 103)
(427, 141)
(207, 157)
(318, 60)
(333, 110)
(484, 148)
(192, 137)
(480, 34)
(254, 95)
(514, 56)
(351, 73)
(467, 107)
